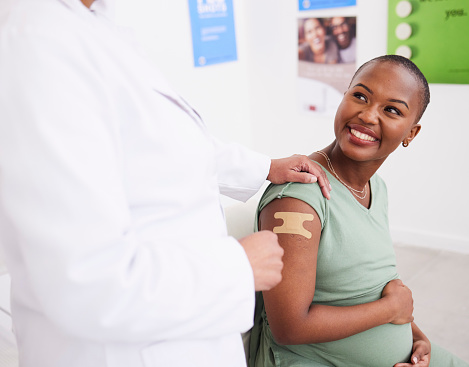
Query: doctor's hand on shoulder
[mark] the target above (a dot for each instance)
(298, 168)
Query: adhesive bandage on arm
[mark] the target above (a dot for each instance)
(293, 223)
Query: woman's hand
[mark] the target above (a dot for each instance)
(400, 302)
(421, 351)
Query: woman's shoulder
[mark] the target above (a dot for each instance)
(309, 193)
(378, 183)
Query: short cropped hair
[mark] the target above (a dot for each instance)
(413, 69)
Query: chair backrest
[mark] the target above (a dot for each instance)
(240, 218)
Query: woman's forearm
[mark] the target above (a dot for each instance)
(330, 323)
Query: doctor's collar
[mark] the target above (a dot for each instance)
(105, 8)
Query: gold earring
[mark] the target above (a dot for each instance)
(405, 143)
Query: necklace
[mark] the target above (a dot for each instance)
(355, 192)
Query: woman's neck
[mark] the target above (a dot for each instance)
(354, 173)
(87, 3)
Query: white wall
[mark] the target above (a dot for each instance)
(219, 92)
(254, 101)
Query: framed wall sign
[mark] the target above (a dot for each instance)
(433, 34)
(213, 31)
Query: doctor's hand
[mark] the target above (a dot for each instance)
(265, 255)
(298, 168)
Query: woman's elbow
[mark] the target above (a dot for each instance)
(286, 336)
(282, 338)
(295, 335)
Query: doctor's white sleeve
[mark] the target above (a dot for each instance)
(65, 222)
(241, 171)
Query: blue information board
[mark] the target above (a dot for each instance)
(213, 31)
(323, 4)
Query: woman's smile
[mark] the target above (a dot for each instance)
(362, 136)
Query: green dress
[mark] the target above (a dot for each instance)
(355, 261)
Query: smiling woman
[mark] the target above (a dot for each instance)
(341, 302)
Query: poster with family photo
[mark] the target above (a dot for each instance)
(326, 61)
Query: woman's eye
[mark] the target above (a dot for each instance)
(359, 96)
(393, 110)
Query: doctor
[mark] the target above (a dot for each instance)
(109, 202)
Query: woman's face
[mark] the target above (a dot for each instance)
(315, 35)
(378, 111)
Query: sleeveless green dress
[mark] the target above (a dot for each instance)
(356, 260)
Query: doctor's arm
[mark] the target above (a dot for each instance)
(293, 318)
(242, 171)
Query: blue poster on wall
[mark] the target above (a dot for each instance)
(213, 31)
(324, 4)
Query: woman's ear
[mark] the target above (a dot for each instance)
(412, 134)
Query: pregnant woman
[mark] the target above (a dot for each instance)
(341, 302)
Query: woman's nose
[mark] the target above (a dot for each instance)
(369, 115)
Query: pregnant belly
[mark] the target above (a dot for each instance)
(384, 346)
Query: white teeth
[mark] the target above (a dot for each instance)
(362, 136)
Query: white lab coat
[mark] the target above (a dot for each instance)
(110, 217)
